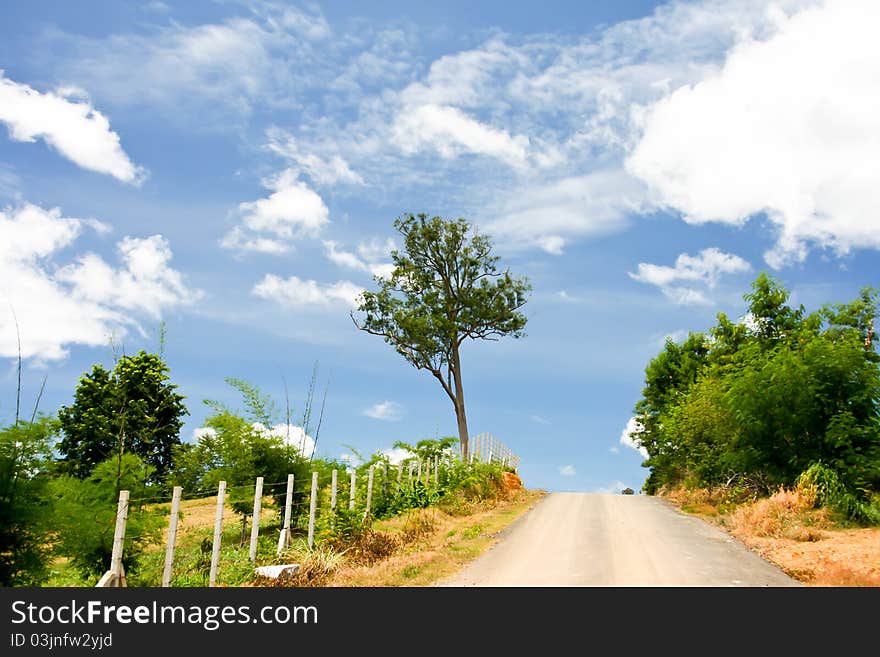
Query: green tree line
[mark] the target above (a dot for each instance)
(767, 400)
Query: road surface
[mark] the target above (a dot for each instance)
(589, 539)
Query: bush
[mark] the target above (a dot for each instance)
(823, 486)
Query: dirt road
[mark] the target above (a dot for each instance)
(587, 539)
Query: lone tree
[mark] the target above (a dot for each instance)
(445, 288)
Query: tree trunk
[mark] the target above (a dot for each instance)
(460, 414)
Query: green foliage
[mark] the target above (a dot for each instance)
(445, 288)
(829, 491)
(765, 399)
(85, 515)
(237, 448)
(25, 507)
(473, 481)
(133, 409)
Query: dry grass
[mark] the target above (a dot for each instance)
(785, 514)
(432, 544)
(787, 530)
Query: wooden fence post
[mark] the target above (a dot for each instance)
(313, 505)
(436, 470)
(409, 474)
(399, 474)
(172, 535)
(369, 490)
(333, 479)
(117, 572)
(218, 532)
(284, 536)
(351, 494)
(255, 522)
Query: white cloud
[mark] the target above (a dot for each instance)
(613, 487)
(146, 283)
(614, 449)
(565, 297)
(202, 72)
(451, 132)
(706, 267)
(633, 427)
(10, 183)
(386, 410)
(552, 244)
(367, 258)
(786, 128)
(72, 127)
(567, 470)
(290, 434)
(83, 302)
(204, 432)
(677, 337)
(269, 225)
(300, 293)
(397, 455)
(545, 215)
(322, 170)
(539, 419)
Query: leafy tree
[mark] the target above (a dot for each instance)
(25, 507)
(428, 449)
(778, 394)
(237, 448)
(133, 409)
(445, 288)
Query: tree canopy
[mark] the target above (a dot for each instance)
(767, 397)
(446, 287)
(133, 409)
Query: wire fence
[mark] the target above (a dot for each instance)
(269, 517)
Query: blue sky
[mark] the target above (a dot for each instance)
(234, 169)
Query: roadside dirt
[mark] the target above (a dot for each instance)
(845, 557)
(788, 531)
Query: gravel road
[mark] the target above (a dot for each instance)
(589, 539)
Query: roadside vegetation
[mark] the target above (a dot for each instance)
(770, 426)
(61, 473)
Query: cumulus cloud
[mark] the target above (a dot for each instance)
(706, 267)
(82, 302)
(786, 129)
(567, 470)
(628, 437)
(290, 434)
(296, 292)
(269, 225)
(69, 125)
(386, 410)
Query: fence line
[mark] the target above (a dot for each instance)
(422, 472)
